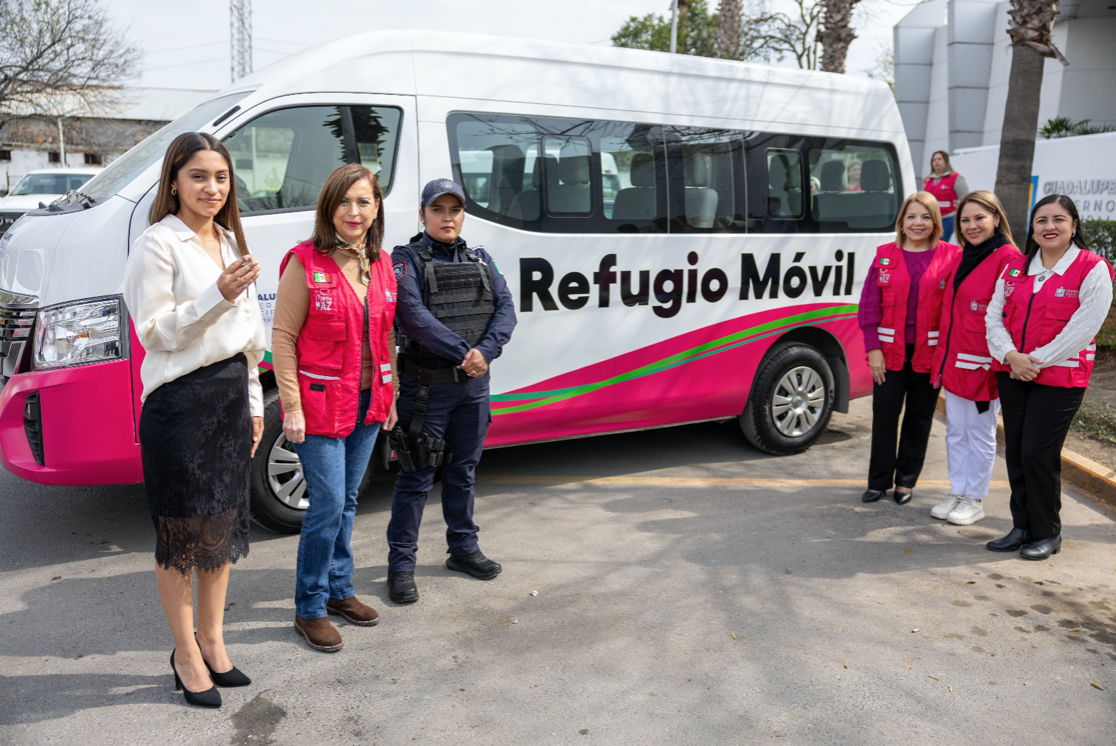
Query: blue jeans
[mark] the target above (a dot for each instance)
(947, 227)
(333, 468)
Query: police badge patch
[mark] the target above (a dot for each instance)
(400, 269)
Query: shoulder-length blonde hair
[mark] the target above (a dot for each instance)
(336, 186)
(989, 202)
(179, 153)
(930, 202)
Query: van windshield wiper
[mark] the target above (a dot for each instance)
(69, 200)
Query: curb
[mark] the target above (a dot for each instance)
(1097, 480)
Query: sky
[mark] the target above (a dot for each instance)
(186, 44)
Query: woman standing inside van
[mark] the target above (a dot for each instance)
(963, 364)
(947, 186)
(334, 353)
(188, 288)
(898, 315)
(1047, 308)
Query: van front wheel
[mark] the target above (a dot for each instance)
(791, 401)
(278, 487)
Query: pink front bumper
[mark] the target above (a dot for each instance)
(88, 426)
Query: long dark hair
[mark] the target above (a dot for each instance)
(1078, 239)
(333, 191)
(179, 153)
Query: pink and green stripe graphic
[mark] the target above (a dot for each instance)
(702, 374)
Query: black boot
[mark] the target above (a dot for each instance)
(475, 564)
(1042, 549)
(1015, 538)
(402, 588)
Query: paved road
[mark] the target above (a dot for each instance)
(690, 590)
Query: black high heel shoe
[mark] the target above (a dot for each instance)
(209, 698)
(233, 677)
(902, 498)
(871, 496)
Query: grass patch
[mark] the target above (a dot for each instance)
(1096, 422)
(1106, 337)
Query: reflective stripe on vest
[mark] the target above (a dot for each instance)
(1034, 319)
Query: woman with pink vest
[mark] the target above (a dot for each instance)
(334, 354)
(898, 316)
(962, 362)
(947, 186)
(1047, 308)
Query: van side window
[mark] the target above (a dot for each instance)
(283, 157)
(784, 184)
(706, 180)
(554, 175)
(856, 187)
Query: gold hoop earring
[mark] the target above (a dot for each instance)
(174, 192)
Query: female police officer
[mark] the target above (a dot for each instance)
(454, 316)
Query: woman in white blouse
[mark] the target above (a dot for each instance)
(1046, 310)
(188, 287)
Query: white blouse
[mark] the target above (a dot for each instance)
(1095, 298)
(180, 316)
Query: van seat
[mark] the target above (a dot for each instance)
(572, 194)
(701, 201)
(637, 202)
(527, 205)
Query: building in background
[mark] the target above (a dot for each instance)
(952, 61)
(74, 133)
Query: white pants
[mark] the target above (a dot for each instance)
(970, 445)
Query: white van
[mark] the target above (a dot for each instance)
(677, 233)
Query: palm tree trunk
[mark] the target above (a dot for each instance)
(836, 34)
(1017, 139)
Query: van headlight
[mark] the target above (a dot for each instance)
(85, 331)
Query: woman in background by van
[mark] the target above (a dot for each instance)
(334, 356)
(963, 364)
(188, 287)
(947, 186)
(1060, 294)
(899, 314)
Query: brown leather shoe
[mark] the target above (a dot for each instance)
(319, 634)
(354, 611)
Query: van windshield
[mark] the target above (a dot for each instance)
(49, 183)
(130, 165)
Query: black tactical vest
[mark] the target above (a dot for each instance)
(458, 294)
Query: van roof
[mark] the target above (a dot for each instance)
(674, 88)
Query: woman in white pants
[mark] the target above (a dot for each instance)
(962, 362)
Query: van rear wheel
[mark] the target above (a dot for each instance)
(791, 401)
(278, 486)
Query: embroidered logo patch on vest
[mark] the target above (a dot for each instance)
(884, 277)
(400, 269)
(387, 296)
(321, 277)
(1014, 273)
(1060, 293)
(323, 301)
(941, 284)
(973, 306)
(884, 261)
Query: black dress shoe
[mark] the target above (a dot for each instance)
(1015, 538)
(402, 588)
(1042, 549)
(901, 498)
(475, 564)
(871, 496)
(232, 677)
(209, 698)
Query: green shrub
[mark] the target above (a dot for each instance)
(1101, 235)
(1096, 422)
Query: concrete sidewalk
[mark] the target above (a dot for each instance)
(690, 590)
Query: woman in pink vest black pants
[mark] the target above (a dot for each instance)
(1047, 308)
(947, 186)
(334, 354)
(962, 362)
(898, 316)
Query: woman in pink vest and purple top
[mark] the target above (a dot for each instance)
(334, 352)
(1047, 308)
(947, 186)
(962, 362)
(898, 315)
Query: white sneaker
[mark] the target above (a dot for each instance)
(945, 507)
(967, 512)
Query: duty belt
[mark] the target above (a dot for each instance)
(429, 376)
(414, 449)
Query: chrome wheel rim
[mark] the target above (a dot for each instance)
(798, 401)
(284, 475)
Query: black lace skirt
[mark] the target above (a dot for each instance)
(195, 436)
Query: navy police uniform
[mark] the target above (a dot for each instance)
(457, 411)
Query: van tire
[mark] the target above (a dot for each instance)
(268, 507)
(800, 374)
